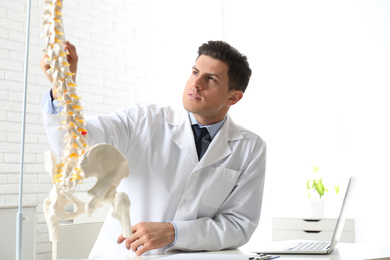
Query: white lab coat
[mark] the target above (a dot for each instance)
(215, 202)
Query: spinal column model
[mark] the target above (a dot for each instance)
(78, 161)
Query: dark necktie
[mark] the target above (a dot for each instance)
(202, 139)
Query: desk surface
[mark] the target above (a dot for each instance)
(343, 251)
(349, 251)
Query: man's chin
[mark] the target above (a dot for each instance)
(189, 108)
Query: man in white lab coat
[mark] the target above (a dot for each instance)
(180, 200)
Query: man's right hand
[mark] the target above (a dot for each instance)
(72, 60)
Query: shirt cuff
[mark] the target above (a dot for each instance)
(50, 105)
(182, 232)
(174, 241)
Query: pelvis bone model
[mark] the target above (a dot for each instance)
(78, 161)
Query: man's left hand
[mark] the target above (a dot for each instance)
(149, 235)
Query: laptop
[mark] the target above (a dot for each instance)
(313, 247)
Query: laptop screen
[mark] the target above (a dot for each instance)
(343, 216)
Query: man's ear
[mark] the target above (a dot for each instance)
(235, 96)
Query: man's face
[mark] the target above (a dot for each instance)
(206, 93)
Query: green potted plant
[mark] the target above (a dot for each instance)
(316, 189)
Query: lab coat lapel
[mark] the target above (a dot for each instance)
(220, 145)
(182, 134)
(219, 148)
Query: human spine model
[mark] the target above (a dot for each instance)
(78, 161)
(76, 135)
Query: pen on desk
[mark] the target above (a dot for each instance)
(266, 257)
(271, 256)
(263, 257)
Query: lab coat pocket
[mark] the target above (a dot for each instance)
(220, 183)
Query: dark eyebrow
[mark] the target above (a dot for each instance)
(209, 74)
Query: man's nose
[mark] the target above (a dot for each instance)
(197, 83)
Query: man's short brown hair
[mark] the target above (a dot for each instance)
(239, 72)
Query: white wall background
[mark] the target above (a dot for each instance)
(318, 94)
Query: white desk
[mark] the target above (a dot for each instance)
(343, 251)
(348, 251)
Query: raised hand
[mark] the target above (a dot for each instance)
(72, 59)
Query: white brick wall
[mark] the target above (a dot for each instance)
(104, 32)
(119, 43)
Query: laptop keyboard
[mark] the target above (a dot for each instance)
(310, 246)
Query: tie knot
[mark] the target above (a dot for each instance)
(200, 132)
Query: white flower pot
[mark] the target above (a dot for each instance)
(316, 207)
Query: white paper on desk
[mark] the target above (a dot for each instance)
(196, 256)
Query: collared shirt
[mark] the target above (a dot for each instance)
(51, 105)
(213, 128)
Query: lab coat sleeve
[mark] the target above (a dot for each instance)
(113, 129)
(237, 218)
